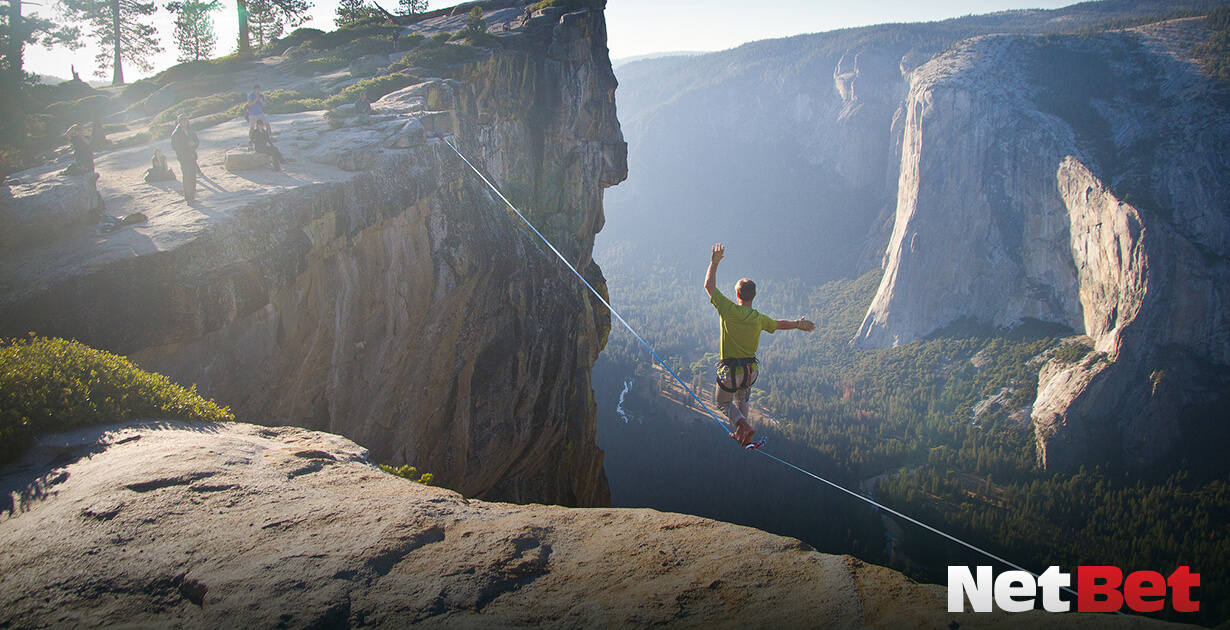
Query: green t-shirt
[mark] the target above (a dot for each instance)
(741, 326)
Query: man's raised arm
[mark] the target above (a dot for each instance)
(792, 324)
(711, 275)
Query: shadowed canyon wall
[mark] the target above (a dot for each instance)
(405, 307)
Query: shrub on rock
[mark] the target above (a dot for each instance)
(49, 385)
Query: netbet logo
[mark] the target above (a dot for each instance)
(1098, 589)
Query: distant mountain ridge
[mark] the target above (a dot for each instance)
(761, 132)
(807, 157)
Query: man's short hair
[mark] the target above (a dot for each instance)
(745, 290)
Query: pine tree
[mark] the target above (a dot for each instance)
(194, 28)
(265, 22)
(475, 24)
(351, 10)
(16, 32)
(274, 15)
(412, 7)
(121, 34)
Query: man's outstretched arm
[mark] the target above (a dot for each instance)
(711, 275)
(792, 324)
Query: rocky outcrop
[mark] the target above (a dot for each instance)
(401, 306)
(167, 524)
(980, 229)
(1018, 161)
(37, 212)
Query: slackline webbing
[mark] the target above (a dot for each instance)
(724, 426)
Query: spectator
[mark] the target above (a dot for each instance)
(362, 107)
(159, 170)
(256, 107)
(83, 152)
(185, 143)
(98, 135)
(262, 139)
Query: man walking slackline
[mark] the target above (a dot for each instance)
(741, 326)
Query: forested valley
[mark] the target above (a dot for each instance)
(938, 429)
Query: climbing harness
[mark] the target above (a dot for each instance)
(753, 447)
(732, 367)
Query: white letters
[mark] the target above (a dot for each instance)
(1050, 582)
(1012, 584)
(961, 582)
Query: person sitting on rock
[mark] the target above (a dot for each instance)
(362, 107)
(262, 140)
(98, 134)
(185, 143)
(741, 327)
(83, 151)
(256, 107)
(159, 170)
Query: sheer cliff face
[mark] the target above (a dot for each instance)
(1074, 181)
(406, 308)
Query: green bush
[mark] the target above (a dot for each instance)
(43, 95)
(297, 37)
(80, 110)
(49, 385)
(205, 67)
(1071, 352)
(375, 87)
(568, 5)
(410, 41)
(200, 106)
(481, 39)
(340, 58)
(315, 39)
(407, 472)
(328, 63)
(302, 105)
(136, 91)
(428, 56)
(141, 137)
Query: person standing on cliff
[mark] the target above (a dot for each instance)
(256, 107)
(740, 337)
(185, 143)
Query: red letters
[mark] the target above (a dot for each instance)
(1181, 581)
(1142, 584)
(1097, 589)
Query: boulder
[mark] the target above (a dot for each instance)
(368, 65)
(435, 94)
(439, 122)
(245, 161)
(412, 134)
(36, 212)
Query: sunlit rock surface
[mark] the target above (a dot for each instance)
(376, 288)
(1079, 181)
(168, 524)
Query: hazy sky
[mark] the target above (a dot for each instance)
(635, 27)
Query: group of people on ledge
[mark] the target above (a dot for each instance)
(184, 142)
